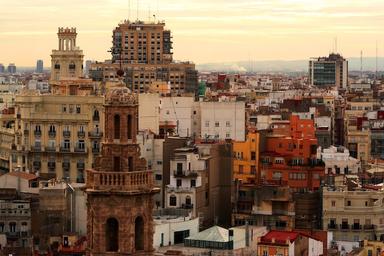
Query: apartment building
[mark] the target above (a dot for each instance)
(144, 52)
(57, 135)
(246, 158)
(337, 160)
(353, 215)
(223, 120)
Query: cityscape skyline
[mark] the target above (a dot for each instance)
(282, 30)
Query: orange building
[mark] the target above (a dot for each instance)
(290, 156)
(288, 243)
(246, 158)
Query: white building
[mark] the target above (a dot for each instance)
(223, 120)
(151, 149)
(149, 112)
(178, 112)
(186, 183)
(22, 181)
(171, 228)
(338, 161)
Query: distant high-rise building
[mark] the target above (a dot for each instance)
(67, 61)
(11, 68)
(140, 42)
(331, 71)
(144, 51)
(2, 68)
(39, 66)
(87, 66)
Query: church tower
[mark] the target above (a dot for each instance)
(67, 61)
(120, 189)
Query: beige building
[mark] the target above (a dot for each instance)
(67, 60)
(58, 135)
(144, 51)
(354, 215)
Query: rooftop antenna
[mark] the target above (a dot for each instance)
(376, 62)
(137, 10)
(129, 9)
(361, 64)
(335, 44)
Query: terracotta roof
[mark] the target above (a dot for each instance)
(23, 175)
(279, 237)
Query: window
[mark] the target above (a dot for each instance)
(64, 108)
(276, 175)
(172, 200)
(78, 109)
(193, 183)
(348, 203)
(217, 124)
(158, 177)
(206, 123)
(265, 253)
(228, 124)
(71, 108)
(241, 169)
(227, 135)
(253, 169)
(333, 203)
(116, 122)
(253, 155)
(178, 182)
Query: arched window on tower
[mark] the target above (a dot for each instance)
(112, 235)
(139, 234)
(129, 126)
(116, 127)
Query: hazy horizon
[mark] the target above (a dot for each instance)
(203, 31)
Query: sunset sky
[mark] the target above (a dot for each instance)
(203, 30)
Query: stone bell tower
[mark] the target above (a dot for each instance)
(67, 61)
(120, 189)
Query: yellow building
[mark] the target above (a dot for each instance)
(246, 158)
(58, 135)
(369, 248)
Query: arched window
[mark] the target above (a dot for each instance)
(72, 66)
(112, 235)
(188, 200)
(172, 200)
(116, 126)
(139, 233)
(129, 126)
(96, 116)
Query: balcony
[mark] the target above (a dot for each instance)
(184, 173)
(369, 227)
(95, 150)
(95, 135)
(51, 165)
(332, 226)
(81, 134)
(37, 164)
(37, 133)
(356, 227)
(80, 150)
(50, 149)
(13, 234)
(65, 149)
(66, 134)
(186, 206)
(52, 134)
(344, 227)
(36, 148)
(121, 181)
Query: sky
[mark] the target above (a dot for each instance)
(204, 31)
